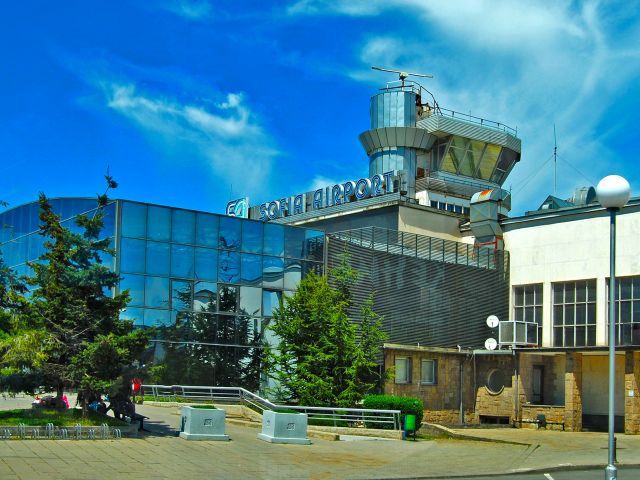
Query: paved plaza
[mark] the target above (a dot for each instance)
(159, 454)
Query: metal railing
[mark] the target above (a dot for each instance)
(326, 416)
(445, 112)
(421, 246)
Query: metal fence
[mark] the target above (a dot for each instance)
(327, 416)
(51, 432)
(423, 247)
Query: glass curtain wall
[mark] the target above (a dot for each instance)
(20, 241)
(209, 284)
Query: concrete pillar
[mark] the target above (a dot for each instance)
(631, 392)
(573, 393)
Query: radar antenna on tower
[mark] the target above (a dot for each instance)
(403, 75)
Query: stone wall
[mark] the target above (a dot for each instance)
(495, 403)
(573, 392)
(552, 413)
(631, 393)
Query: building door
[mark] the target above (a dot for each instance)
(538, 384)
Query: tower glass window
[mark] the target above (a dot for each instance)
(527, 305)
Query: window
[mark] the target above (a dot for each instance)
(495, 381)
(428, 369)
(574, 314)
(527, 305)
(403, 370)
(627, 310)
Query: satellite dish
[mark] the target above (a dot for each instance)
(492, 321)
(490, 344)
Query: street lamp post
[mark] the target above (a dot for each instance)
(613, 193)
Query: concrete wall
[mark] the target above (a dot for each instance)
(437, 224)
(595, 381)
(571, 247)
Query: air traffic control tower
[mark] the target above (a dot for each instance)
(441, 157)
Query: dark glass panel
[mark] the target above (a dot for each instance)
(228, 298)
(581, 293)
(591, 313)
(581, 314)
(205, 297)
(132, 255)
(159, 223)
(625, 312)
(207, 229)
(538, 315)
(156, 292)
(625, 289)
(157, 258)
(557, 315)
(229, 266)
(568, 337)
(270, 301)
(570, 293)
(135, 285)
(229, 234)
(558, 289)
(181, 292)
(273, 239)
(109, 221)
(272, 272)
(314, 267)
(518, 296)
(519, 314)
(227, 329)
(528, 295)
(581, 336)
(182, 261)
(134, 220)
(251, 271)
(591, 290)
(157, 318)
(251, 236)
(251, 301)
(636, 312)
(183, 226)
(591, 335)
(135, 315)
(625, 334)
(558, 340)
(292, 274)
(294, 239)
(636, 288)
(569, 314)
(206, 267)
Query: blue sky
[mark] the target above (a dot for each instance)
(191, 103)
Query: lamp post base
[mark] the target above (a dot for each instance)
(610, 472)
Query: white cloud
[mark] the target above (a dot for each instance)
(190, 9)
(530, 64)
(325, 7)
(227, 136)
(320, 181)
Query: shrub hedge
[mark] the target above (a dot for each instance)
(406, 405)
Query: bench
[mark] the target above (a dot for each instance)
(541, 421)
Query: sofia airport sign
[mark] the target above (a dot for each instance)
(338, 194)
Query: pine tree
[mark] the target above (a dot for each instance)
(69, 330)
(323, 358)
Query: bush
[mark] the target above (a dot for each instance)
(406, 405)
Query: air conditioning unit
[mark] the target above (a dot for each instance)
(518, 334)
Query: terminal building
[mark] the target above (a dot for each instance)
(429, 233)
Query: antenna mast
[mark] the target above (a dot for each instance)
(555, 162)
(402, 75)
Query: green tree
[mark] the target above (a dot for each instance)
(69, 330)
(323, 357)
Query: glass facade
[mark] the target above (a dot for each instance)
(394, 108)
(527, 305)
(574, 314)
(627, 310)
(208, 283)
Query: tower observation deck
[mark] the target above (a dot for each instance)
(436, 153)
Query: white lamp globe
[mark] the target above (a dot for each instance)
(613, 191)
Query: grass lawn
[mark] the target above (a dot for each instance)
(68, 418)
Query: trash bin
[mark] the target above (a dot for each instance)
(410, 425)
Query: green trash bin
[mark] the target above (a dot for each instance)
(410, 425)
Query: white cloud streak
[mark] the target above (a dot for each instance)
(227, 136)
(190, 9)
(530, 63)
